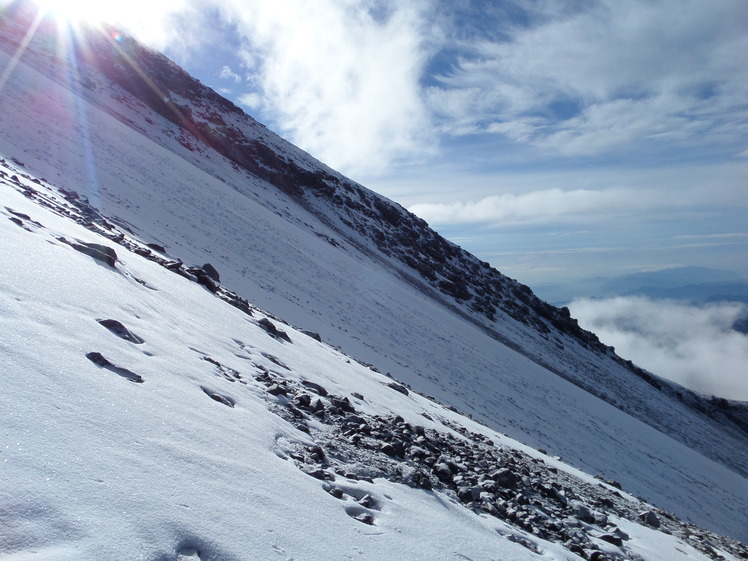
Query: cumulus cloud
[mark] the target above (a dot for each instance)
(341, 77)
(692, 345)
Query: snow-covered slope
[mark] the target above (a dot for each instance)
(146, 418)
(175, 165)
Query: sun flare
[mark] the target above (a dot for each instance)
(72, 12)
(147, 20)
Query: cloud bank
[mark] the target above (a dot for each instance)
(694, 346)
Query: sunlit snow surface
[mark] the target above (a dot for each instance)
(98, 467)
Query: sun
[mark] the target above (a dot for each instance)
(149, 21)
(74, 12)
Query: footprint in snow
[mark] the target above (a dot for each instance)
(99, 360)
(198, 549)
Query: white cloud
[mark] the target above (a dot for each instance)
(543, 207)
(349, 80)
(341, 77)
(228, 74)
(608, 75)
(252, 101)
(152, 22)
(692, 345)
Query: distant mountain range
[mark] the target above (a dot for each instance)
(698, 285)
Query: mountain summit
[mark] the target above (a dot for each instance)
(154, 235)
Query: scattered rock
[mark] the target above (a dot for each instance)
(442, 472)
(313, 334)
(303, 400)
(156, 247)
(218, 397)
(343, 404)
(319, 473)
(210, 270)
(316, 388)
(505, 477)
(650, 519)
(99, 252)
(336, 492)
(99, 360)
(583, 513)
(203, 278)
(390, 450)
(174, 265)
(272, 330)
(367, 501)
(121, 331)
(610, 538)
(364, 517)
(398, 388)
(277, 389)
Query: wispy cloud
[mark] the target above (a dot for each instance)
(604, 76)
(227, 74)
(692, 345)
(542, 207)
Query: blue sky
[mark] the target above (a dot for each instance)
(555, 139)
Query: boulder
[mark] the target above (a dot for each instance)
(505, 478)
(121, 331)
(398, 388)
(316, 388)
(97, 251)
(650, 519)
(210, 270)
